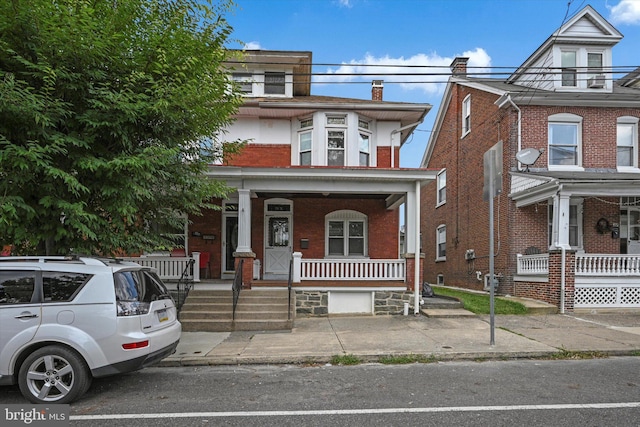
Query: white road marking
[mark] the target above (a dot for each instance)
(371, 411)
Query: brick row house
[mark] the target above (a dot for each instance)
(318, 183)
(567, 221)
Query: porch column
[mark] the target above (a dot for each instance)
(243, 251)
(244, 221)
(412, 216)
(560, 226)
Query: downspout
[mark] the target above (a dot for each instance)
(513, 104)
(416, 266)
(563, 263)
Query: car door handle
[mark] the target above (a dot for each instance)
(26, 316)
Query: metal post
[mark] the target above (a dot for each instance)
(491, 272)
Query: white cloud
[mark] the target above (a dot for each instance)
(345, 3)
(428, 72)
(252, 46)
(625, 12)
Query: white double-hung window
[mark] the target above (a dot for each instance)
(441, 182)
(441, 243)
(565, 141)
(364, 143)
(569, 64)
(627, 142)
(346, 234)
(305, 142)
(466, 115)
(336, 140)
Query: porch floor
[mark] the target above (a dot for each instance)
(226, 284)
(331, 284)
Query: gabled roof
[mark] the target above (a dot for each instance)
(585, 27)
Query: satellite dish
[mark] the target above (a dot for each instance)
(528, 156)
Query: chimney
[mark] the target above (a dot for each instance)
(376, 90)
(459, 66)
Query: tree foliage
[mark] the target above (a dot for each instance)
(110, 112)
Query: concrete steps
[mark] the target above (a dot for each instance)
(257, 310)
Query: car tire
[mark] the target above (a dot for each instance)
(53, 374)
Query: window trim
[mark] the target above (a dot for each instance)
(439, 229)
(565, 119)
(466, 115)
(565, 70)
(305, 126)
(441, 188)
(346, 216)
(632, 121)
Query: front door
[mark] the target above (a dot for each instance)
(229, 239)
(633, 233)
(278, 234)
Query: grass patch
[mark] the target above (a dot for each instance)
(345, 359)
(480, 303)
(577, 355)
(407, 359)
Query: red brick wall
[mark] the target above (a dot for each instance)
(209, 223)
(262, 155)
(599, 126)
(465, 213)
(384, 157)
(309, 217)
(308, 223)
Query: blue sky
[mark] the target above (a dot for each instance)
(355, 33)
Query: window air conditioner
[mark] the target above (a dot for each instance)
(596, 82)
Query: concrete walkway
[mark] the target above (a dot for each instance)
(443, 337)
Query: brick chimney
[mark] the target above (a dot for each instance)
(376, 90)
(459, 66)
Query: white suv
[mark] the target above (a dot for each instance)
(65, 320)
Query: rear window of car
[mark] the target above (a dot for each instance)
(16, 286)
(62, 285)
(139, 285)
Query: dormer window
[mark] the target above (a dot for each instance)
(274, 83)
(569, 71)
(583, 68)
(244, 82)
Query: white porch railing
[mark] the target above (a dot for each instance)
(347, 269)
(170, 267)
(607, 265)
(537, 264)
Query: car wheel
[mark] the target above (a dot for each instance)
(53, 374)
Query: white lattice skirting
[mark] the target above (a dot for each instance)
(607, 296)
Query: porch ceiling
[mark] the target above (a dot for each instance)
(392, 185)
(533, 187)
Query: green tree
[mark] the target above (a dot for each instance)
(110, 112)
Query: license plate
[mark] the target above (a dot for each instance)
(162, 315)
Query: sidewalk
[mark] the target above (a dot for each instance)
(466, 336)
